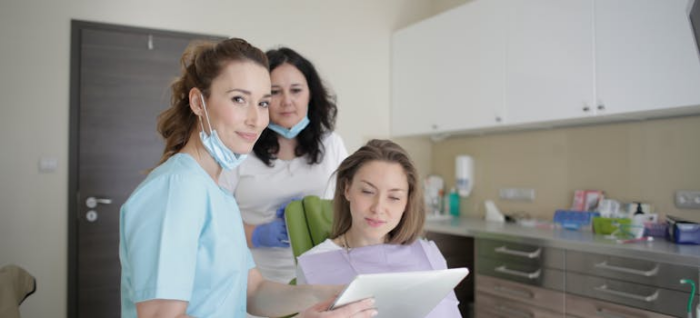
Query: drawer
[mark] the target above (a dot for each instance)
(587, 307)
(647, 272)
(492, 306)
(544, 298)
(521, 253)
(530, 274)
(656, 299)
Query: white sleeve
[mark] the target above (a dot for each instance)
(229, 179)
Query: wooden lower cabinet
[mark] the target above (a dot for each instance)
(586, 307)
(497, 297)
(488, 305)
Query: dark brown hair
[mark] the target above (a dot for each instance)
(201, 63)
(322, 112)
(411, 225)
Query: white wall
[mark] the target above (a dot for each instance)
(348, 40)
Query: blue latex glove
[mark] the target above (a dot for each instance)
(273, 234)
(280, 211)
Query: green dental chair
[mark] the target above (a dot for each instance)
(309, 222)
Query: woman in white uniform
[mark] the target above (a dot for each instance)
(295, 156)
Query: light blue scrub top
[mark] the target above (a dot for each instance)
(181, 237)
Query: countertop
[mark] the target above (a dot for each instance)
(586, 241)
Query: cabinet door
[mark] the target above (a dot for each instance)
(413, 81)
(587, 307)
(550, 70)
(645, 56)
(448, 71)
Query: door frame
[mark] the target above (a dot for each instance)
(77, 26)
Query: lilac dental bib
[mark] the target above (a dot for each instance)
(340, 267)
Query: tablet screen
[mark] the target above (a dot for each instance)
(407, 294)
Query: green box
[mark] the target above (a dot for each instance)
(607, 226)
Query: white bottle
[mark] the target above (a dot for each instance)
(464, 174)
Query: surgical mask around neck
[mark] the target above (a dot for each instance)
(226, 158)
(291, 132)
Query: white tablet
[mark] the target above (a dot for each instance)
(406, 295)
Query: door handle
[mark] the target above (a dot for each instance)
(514, 292)
(649, 273)
(514, 311)
(505, 250)
(648, 299)
(503, 269)
(92, 202)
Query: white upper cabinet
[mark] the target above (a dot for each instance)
(549, 61)
(645, 56)
(497, 64)
(448, 71)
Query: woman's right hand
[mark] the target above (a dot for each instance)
(358, 309)
(273, 234)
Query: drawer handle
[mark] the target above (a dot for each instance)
(503, 269)
(514, 292)
(514, 311)
(606, 313)
(651, 298)
(505, 250)
(649, 273)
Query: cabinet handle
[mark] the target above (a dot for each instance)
(503, 269)
(498, 119)
(601, 107)
(514, 311)
(586, 109)
(651, 298)
(514, 292)
(649, 273)
(505, 250)
(606, 313)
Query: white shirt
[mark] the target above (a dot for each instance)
(260, 190)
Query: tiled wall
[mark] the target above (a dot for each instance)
(633, 161)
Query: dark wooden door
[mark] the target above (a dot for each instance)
(124, 76)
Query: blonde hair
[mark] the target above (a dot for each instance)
(410, 226)
(201, 63)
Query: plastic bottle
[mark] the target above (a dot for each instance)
(454, 202)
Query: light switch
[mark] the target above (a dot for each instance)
(48, 164)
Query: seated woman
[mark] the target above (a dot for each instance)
(378, 216)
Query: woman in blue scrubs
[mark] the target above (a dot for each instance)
(182, 245)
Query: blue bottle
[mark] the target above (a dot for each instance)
(454, 202)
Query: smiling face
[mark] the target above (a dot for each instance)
(237, 105)
(378, 194)
(290, 96)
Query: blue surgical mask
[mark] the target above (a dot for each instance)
(291, 132)
(226, 158)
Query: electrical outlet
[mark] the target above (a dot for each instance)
(688, 199)
(517, 194)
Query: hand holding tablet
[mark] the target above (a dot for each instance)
(407, 294)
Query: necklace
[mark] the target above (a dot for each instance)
(345, 242)
(346, 255)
